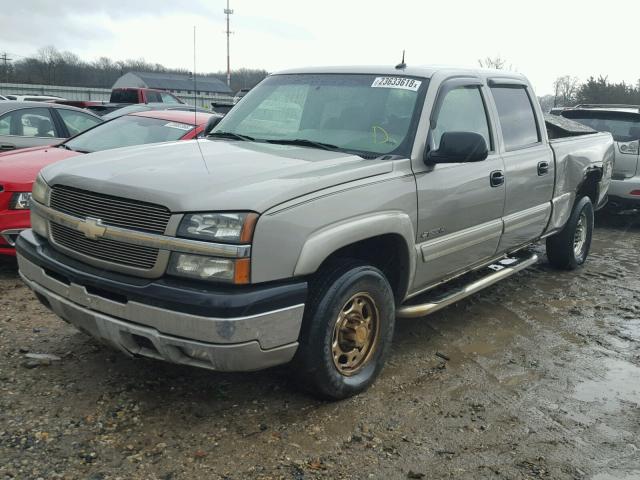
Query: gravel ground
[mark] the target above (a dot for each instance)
(536, 377)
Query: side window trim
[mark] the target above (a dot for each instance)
(453, 84)
(58, 124)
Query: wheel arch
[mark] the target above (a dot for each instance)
(385, 240)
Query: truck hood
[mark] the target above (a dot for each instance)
(19, 168)
(213, 174)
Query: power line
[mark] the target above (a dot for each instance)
(5, 59)
(227, 12)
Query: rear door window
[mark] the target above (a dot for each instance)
(28, 122)
(517, 117)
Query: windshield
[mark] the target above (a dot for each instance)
(373, 114)
(623, 126)
(128, 131)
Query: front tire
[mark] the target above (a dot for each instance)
(569, 248)
(347, 330)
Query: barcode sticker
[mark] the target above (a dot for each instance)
(397, 82)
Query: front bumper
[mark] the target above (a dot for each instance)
(620, 193)
(180, 322)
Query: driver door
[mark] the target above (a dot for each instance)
(459, 204)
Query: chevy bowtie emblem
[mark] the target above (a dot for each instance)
(92, 228)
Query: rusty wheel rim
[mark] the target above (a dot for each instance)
(355, 334)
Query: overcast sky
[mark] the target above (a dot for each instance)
(542, 39)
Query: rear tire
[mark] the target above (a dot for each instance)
(347, 330)
(569, 248)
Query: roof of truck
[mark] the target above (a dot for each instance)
(426, 71)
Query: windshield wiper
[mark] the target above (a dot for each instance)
(65, 146)
(235, 136)
(304, 142)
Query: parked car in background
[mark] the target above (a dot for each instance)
(147, 107)
(32, 124)
(18, 169)
(33, 98)
(325, 204)
(239, 94)
(142, 95)
(623, 122)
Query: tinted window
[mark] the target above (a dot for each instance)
(124, 96)
(517, 119)
(462, 111)
(30, 122)
(625, 127)
(153, 97)
(77, 122)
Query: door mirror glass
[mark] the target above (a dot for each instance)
(459, 147)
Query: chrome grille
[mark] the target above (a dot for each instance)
(104, 249)
(114, 211)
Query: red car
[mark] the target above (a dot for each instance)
(18, 169)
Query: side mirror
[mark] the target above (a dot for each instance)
(459, 147)
(213, 121)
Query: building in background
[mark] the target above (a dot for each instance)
(207, 88)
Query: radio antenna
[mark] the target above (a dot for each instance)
(401, 65)
(195, 82)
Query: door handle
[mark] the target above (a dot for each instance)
(496, 178)
(543, 168)
(6, 146)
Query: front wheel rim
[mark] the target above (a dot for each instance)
(355, 334)
(580, 236)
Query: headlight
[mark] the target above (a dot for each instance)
(20, 201)
(218, 227)
(209, 268)
(39, 190)
(629, 147)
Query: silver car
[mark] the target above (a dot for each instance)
(35, 124)
(623, 122)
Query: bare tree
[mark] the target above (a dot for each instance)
(566, 89)
(496, 62)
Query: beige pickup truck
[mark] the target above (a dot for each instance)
(327, 203)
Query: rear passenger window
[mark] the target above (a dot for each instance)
(462, 111)
(517, 118)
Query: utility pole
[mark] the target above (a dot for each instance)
(5, 59)
(227, 12)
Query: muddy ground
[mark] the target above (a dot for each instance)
(542, 381)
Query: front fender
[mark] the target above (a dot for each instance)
(324, 242)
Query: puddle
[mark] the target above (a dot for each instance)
(619, 384)
(617, 476)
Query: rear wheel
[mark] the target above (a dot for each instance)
(569, 248)
(347, 330)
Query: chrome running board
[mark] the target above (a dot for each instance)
(428, 303)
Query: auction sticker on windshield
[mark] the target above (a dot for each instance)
(397, 82)
(180, 126)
